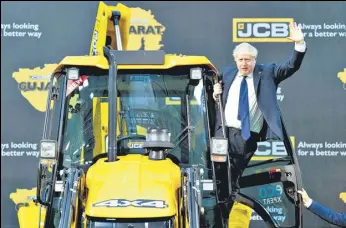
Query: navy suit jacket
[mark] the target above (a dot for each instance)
(328, 215)
(266, 77)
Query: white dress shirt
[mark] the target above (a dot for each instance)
(231, 108)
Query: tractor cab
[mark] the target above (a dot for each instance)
(159, 99)
(135, 151)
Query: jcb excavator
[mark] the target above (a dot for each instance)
(127, 141)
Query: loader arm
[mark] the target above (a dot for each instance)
(104, 33)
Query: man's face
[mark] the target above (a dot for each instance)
(245, 63)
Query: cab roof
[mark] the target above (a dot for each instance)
(171, 60)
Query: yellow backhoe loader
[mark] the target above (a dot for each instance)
(128, 140)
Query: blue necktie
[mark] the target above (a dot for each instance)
(243, 110)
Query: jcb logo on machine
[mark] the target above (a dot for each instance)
(135, 145)
(261, 29)
(135, 203)
(94, 44)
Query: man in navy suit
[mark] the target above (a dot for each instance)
(251, 111)
(328, 215)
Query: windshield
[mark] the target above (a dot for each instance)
(145, 99)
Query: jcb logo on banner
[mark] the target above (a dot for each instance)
(271, 149)
(261, 29)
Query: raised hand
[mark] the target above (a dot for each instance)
(296, 33)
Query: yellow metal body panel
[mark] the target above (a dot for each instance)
(240, 216)
(133, 177)
(102, 63)
(28, 216)
(104, 26)
(100, 124)
(28, 212)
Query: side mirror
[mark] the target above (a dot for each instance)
(219, 149)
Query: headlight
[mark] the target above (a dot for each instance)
(73, 73)
(48, 149)
(196, 73)
(219, 149)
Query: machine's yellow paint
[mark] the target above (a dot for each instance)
(28, 216)
(104, 27)
(102, 63)
(133, 177)
(28, 211)
(240, 216)
(100, 123)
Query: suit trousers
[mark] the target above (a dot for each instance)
(240, 153)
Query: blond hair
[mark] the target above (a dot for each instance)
(245, 48)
